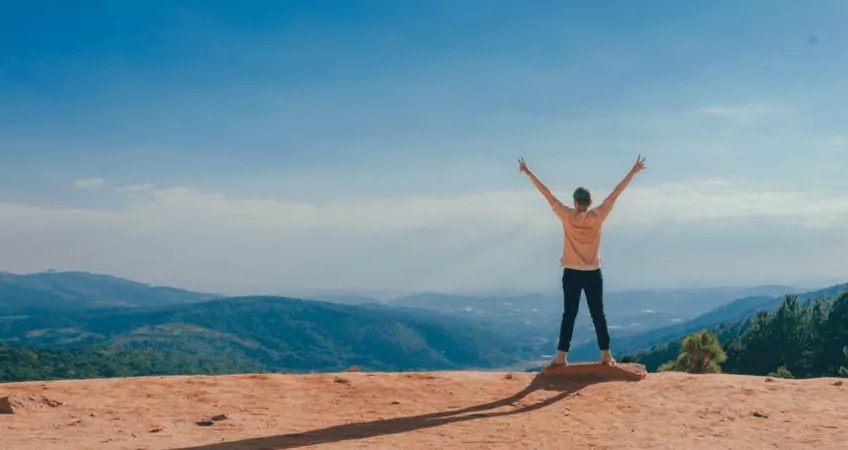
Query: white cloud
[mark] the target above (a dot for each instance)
(739, 112)
(17, 214)
(713, 200)
(140, 187)
(839, 142)
(88, 183)
(702, 200)
(719, 200)
(207, 240)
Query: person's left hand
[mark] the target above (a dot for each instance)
(639, 166)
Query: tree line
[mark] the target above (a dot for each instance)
(797, 340)
(31, 364)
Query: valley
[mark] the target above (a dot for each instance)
(107, 316)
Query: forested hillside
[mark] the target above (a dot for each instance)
(730, 313)
(278, 333)
(28, 364)
(799, 340)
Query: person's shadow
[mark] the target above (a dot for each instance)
(362, 430)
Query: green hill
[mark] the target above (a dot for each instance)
(278, 333)
(70, 291)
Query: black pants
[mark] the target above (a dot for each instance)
(573, 283)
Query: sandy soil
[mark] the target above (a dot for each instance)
(440, 410)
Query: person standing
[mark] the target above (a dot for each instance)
(581, 260)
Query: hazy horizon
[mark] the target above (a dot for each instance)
(298, 145)
(494, 291)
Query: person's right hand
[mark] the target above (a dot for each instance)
(639, 166)
(522, 166)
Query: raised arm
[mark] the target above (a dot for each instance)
(638, 167)
(556, 205)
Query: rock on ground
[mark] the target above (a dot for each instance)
(12, 404)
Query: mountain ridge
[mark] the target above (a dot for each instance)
(76, 290)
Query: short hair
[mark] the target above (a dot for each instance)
(582, 196)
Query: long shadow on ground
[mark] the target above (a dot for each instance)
(362, 430)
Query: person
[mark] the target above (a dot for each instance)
(581, 260)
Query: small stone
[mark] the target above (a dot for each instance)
(509, 376)
(156, 430)
(759, 414)
(396, 402)
(13, 403)
(769, 380)
(219, 417)
(837, 383)
(341, 381)
(205, 423)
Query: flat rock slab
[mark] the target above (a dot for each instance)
(17, 403)
(621, 371)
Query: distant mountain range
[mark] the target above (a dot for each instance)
(432, 331)
(81, 310)
(623, 307)
(535, 317)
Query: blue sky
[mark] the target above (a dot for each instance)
(279, 146)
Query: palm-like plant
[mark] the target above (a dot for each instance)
(700, 353)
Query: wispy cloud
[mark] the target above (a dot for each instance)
(140, 187)
(89, 183)
(697, 200)
(212, 240)
(739, 112)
